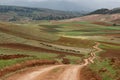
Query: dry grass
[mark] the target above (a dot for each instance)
(33, 33)
(74, 42)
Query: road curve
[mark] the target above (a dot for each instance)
(71, 73)
(34, 74)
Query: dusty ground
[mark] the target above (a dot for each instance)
(56, 72)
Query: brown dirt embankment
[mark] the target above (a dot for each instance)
(23, 65)
(110, 52)
(88, 74)
(7, 57)
(102, 23)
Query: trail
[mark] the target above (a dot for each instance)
(93, 54)
(72, 72)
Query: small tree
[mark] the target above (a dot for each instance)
(114, 24)
(65, 61)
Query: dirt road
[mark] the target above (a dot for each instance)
(72, 73)
(56, 72)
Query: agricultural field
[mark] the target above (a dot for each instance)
(64, 42)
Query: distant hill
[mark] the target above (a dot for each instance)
(114, 18)
(106, 11)
(15, 13)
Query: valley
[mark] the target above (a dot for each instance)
(82, 48)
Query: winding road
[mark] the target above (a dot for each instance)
(55, 72)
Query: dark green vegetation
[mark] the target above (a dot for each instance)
(14, 13)
(106, 11)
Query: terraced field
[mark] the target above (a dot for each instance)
(62, 42)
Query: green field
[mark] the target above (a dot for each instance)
(80, 28)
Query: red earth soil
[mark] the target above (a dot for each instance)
(88, 74)
(116, 21)
(30, 63)
(110, 53)
(102, 23)
(114, 35)
(6, 57)
(32, 48)
(110, 43)
(116, 63)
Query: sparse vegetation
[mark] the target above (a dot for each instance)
(103, 68)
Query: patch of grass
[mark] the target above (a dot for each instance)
(39, 55)
(27, 31)
(109, 50)
(33, 54)
(109, 46)
(6, 63)
(50, 28)
(110, 72)
(74, 42)
(73, 59)
(56, 69)
(86, 28)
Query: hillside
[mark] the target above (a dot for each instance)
(106, 11)
(15, 13)
(113, 18)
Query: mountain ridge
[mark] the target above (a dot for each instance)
(16, 13)
(106, 11)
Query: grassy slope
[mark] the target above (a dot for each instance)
(28, 32)
(110, 51)
(86, 28)
(110, 73)
(11, 33)
(33, 54)
(80, 28)
(89, 29)
(15, 35)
